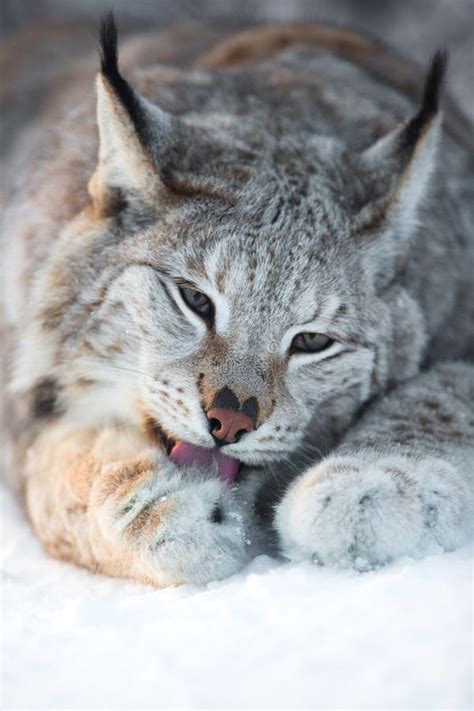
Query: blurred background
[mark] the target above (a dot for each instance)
(414, 27)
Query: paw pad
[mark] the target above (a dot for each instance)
(217, 515)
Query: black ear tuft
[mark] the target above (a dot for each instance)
(108, 50)
(430, 102)
(433, 82)
(108, 45)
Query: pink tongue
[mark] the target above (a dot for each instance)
(185, 453)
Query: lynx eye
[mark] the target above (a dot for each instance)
(310, 343)
(197, 302)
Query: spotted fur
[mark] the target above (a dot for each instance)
(302, 179)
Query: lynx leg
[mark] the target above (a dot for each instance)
(110, 502)
(401, 483)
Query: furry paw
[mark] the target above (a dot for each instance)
(363, 511)
(189, 528)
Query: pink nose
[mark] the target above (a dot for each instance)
(229, 425)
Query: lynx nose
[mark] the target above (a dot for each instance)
(228, 425)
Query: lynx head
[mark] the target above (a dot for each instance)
(233, 283)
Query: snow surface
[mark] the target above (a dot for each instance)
(276, 636)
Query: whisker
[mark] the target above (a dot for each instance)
(106, 366)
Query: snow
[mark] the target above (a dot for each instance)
(276, 636)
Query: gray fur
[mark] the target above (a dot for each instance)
(279, 190)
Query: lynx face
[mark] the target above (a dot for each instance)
(211, 303)
(227, 290)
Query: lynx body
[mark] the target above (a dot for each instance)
(263, 242)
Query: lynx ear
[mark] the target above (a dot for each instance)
(133, 133)
(398, 167)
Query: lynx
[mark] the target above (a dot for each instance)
(238, 304)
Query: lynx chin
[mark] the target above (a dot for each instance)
(238, 302)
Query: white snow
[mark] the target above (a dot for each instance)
(276, 636)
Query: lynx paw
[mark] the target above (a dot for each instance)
(186, 527)
(365, 511)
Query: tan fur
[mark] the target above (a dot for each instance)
(260, 43)
(71, 478)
